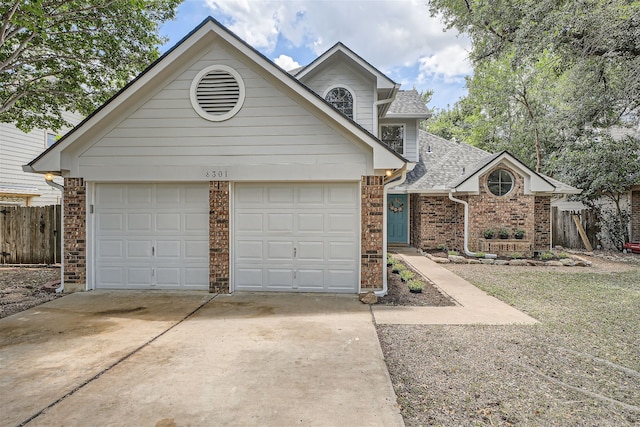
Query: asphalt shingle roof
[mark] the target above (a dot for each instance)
(442, 162)
(408, 102)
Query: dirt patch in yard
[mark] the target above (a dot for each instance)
(579, 366)
(22, 288)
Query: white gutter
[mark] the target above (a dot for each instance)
(466, 226)
(402, 173)
(49, 180)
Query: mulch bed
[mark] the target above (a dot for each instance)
(399, 293)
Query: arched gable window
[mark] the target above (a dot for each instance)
(341, 99)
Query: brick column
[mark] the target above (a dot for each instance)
(219, 237)
(372, 205)
(542, 215)
(75, 235)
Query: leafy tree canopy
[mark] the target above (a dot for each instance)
(72, 55)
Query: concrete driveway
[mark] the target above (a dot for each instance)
(178, 359)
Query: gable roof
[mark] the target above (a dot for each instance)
(382, 81)
(408, 104)
(446, 166)
(49, 160)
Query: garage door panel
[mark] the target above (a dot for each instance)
(340, 251)
(311, 222)
(248, 277)
(169, 221)
(139, 275)
(249, 251)
(168, 277)
(280, 250)
(196, 250)
(112, 249)
(248, 223)
(279, 278)
(151, 236)
(139, 222)
(139, 194)
(305, 228)
(196, 221)
(279, 222)
(139, 248)
(169, 249)
(308, 251)
(109, 222)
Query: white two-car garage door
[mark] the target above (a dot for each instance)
(152, 236)
(296, 237)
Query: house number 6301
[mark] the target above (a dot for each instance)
(217, 174)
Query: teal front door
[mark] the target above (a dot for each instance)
(397, 218)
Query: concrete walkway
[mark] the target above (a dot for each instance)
(177, 359)
(475, 306)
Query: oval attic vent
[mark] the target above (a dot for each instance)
(217, 93)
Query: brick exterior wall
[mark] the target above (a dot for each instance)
(75, 235)
(372, 205)
(436, 220)
(542, 213)
(635, 215)
(219, 237)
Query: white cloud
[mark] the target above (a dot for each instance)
(386, 33)
(286, 62)
(451, 63)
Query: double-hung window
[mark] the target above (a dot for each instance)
(393, 136)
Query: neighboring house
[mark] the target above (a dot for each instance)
(456, 192)
(17, 148)
(215, 169)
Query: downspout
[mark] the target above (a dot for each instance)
(48, 178)
(466, 226)
(391, 181)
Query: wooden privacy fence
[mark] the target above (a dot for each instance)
(565, 231)
(30, 235)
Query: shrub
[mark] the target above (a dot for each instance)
(391, 260)
(503, 232)
(518, 234)
(480, 254)
(441, 247)
(454, 253)
(406, 275)
(516, 255)
(415, 285)
(488, 234)
(546, 256)
(563, 255)
(398, 267)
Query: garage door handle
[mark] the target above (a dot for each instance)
(295, 251)
(153, 251)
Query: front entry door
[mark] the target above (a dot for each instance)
(397, 218)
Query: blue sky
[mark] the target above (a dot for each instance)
(399, 37)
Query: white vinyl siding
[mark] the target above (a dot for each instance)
(301, 237)
(341, 75)
(271, 130)
(18, 148)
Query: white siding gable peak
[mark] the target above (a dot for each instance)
(167, 65)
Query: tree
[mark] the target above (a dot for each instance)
(72, 55)
(598, 41)
(605, 168)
